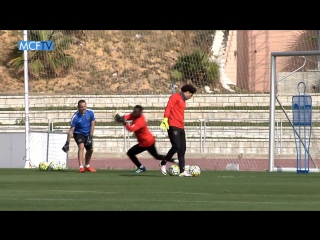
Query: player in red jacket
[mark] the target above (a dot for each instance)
(146, 141)
(173, 122)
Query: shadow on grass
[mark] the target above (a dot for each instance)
(137, 175)
(99, 170)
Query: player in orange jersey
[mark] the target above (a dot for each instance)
(146, 140)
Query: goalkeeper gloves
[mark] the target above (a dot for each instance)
(115, 113)
(117, 117)
(65, 147)
(89, 143)
(164, 124)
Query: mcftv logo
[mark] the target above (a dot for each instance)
(35, 45)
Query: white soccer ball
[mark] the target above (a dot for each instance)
(174, 170)
(187, 168)
(43, 166)
(195, 171)
(62, 165)
(56, 166)
(53, 166)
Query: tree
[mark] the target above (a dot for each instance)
(44, 63)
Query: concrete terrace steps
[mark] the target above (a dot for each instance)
(254, 133)
(200, 100)
(9, 117)
(246, 140)
(227, 147)
(240, 140)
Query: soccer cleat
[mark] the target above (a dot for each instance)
(90, 169)
(139, 170)
(163, 169)
(185, 174)
(82, 169)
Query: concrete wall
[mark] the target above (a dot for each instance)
(231, 56)
(253, 55)
(159, 101)
(225, 141)
(229, 141)
(289, 85)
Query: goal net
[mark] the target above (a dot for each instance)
(294, 97)
(227, 121)
(46, 147)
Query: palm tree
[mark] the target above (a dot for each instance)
(43, 63)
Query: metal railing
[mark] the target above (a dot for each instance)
(20, 121)
(278, 129)
(53, 121)
(201, 127)
(204, 130)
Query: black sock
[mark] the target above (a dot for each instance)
(163, 162)
(181, 164)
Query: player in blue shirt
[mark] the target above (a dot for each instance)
(81, 129)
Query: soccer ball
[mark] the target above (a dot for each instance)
(43, 166)
(195, 171)
(187, 168)
(56, 166)
(62, 165)
(174, 170)
(53, 166)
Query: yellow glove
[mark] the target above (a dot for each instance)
(115, 113)
(164, 124)
(117, 117)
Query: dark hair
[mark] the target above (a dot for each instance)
(81, 101)
(139, 107)
(189, 88)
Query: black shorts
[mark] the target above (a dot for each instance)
(79, 138)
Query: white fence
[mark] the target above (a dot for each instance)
(199, 132)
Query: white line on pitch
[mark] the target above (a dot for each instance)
(69, 191)
(176, 193)
(150, 200)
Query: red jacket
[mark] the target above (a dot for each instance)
(140, 128)
(175, 110)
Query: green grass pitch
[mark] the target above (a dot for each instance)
(68, 190)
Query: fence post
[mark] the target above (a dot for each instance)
(125, 138)
(52, 124)
(201, 143)
(281, 129)
(277, 137)
(205, 133)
